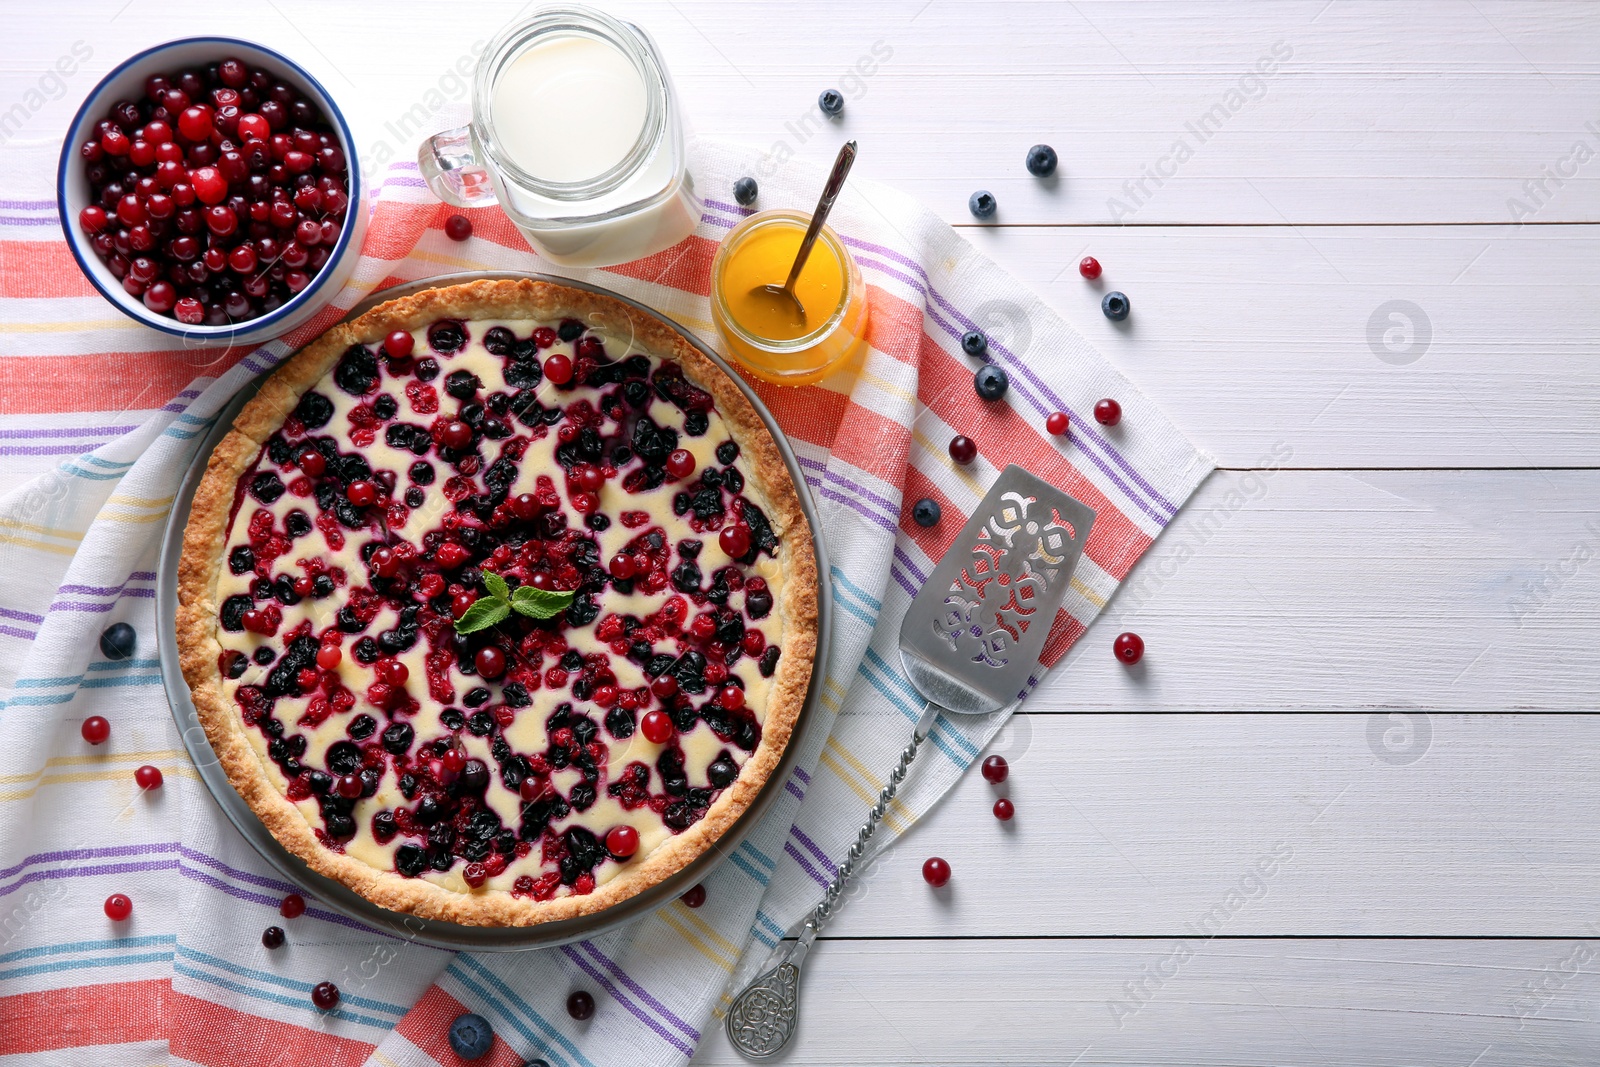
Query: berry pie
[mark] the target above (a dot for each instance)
(498, 604)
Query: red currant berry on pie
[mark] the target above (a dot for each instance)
(96, 729)
(1089, 267)
(622, 566)
(1056, 423)
(328, 657)
(606, 695)
(292, 906)
(622, 841)
(348, 786)
(656, 727)
(118, 907)
(735, 540)
(585, 503)
(1107, 412)
(580, 1005)
(995, 769)
(325, 995)
(458, 227)
(475, 874)
(1129, 648)
(461, 602)
(525, 506)
(936, 872)
(695, 897)
(962, 450)
(558, 369)
(588, 477)
(148, 777)
(731, 697)
(312, 463)
(383, 562)
(680, 463)
(490, 661)
(1004, 809)
(362, 493)
(456, 434)
(392, 671)
(399, 344)
(664, 687)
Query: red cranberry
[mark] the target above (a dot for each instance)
(118, 907)
(622, 841)
(995, 769)
(328, 657)
(392, 671)
(460, 603)
(456, 434)
(588, 477)
(160, 297)
(490, 661)
(312, 462)
(148, 777)
(348, 786)
(1089, 267)
(210, 187)
(96, 730)
(399, 344)
(664, 688)
(580, 1005)
(293, 906)
(253, 127)
(735, 540)
(195, 122)
(92, 218)
(362, 493)
(731, 697)
(622, 566)
(325, 996)
(680, 463)
(936, 872)
(962, 450)
(1129, 648)
(695, 897)
(558, 369)
(1107, 412)
(1056, 423)
(1004, 809)
(585, 503)
(458, 227)
(656, 727)
(475, 874)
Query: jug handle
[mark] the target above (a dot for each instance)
(451, 168)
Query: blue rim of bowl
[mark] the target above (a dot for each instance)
(70, 144)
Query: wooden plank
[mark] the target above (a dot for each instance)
(1223, 1004)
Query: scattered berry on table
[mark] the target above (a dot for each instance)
(458, 227)
(293, 906)
(1056, 422)
(995, 769)
(118, 907)
(831, 101)
(1089, 267)
(580, 1005)
(695, 897)
(148, 777)
(926, 512)
(1004, 809)
(96, 729)
(745, 191)
(936, 872)
(272, 937)
(982, 204)
(1129, 648)
(1041, 161)
(962, 450)
(1116, 306)
(471, 1036)
(990, 381)
(1107, 412)
(974, 343)
(118, 641)
(622, 841)
(325, 995)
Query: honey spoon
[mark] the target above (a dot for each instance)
(830, 193)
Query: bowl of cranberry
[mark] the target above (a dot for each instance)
(209, 189)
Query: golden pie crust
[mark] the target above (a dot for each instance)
(206, 538)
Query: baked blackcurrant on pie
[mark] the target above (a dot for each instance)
(498, 604)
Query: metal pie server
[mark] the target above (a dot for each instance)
(970, 642)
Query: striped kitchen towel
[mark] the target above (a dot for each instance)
(102, 418)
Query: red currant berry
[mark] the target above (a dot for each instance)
(622, 566)
(118, 907)
(731, 697)
(460, 603)
(1089, 267)
(456, 434)
(475, 874)
(588, 477)
(656, 727)
(348, 786)
(695, 897)
(735, 540)
(362, 493)
(664, 687)
(148, 777)
(936, 872)
(96, 729)
(490, 661)
(1107, 412)
(325, 996)
(585, 503)
(458, 227)
(399, 344)
(680, 463)
(558, 369)
(1004, 809)
(606, 695)
(328, 657)
(995, 769)
(312, 463)
(525, 506)
(292, 906)
(962, 450)
(392, 671)
(1129, 648)
(622, 841)
(1056, 423)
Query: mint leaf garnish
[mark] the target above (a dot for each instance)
(540, 603)
(484, 613)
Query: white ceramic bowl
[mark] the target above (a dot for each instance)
(127, 82)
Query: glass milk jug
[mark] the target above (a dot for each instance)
(576, 134)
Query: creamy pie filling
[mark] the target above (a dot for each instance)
(510, 783)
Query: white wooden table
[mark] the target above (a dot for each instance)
(1344, 812)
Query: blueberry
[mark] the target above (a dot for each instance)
(831, 101)
(118, 641)
(982, 204)
(990, 382)
(1116, 306)
(974, 343)
(1041, 161)
(926, 512)
(471, 1036)
(744, 191)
